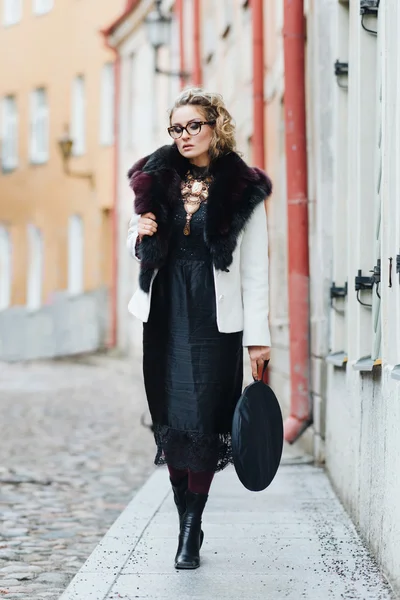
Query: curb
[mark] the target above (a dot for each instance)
(99, 573)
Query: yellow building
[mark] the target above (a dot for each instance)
(57, 77)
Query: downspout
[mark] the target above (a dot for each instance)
(197, 71)
(257, 9)
(181, 25)
(258, 140)
(114, 211)
(297, 216)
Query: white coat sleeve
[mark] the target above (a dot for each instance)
(132, 235)
(254, 279)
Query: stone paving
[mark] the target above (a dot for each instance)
(72, 454)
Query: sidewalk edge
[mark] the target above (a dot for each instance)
(95, 578)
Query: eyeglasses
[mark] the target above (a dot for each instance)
(192, 128)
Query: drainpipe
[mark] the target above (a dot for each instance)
(297, 209)
(181, 24)
(258, 83)
(114, 211)
(197, 71)
(258, 140)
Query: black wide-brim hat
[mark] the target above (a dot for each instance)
(257, 436)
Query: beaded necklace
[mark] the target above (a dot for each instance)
(194, 191)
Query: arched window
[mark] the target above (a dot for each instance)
(75, 255)
(5, 268)
(35, 268)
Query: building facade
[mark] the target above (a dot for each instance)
(55, 228)
(353, 119)
(363, 393)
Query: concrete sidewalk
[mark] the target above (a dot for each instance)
(292, 541)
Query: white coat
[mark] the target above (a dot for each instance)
(241, 294)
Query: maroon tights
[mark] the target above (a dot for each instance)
(199, 483)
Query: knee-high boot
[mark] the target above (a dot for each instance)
(188, 554)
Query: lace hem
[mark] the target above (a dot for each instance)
(192, 450)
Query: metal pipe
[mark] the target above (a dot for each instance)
(257, 7)
(258, 139)
(113, 337)
(197, 71)
(179, 8)
(297, 210)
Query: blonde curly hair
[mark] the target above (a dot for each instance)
(213, 108)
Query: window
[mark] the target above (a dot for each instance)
(35, 268)
(209, 33)
(5, 268)
(107, 105)
(133, 99)
(39, 136)
(75, 255)
(9, 134)
(174, 64)
(78, 121)
(40, 7)
(12, 12)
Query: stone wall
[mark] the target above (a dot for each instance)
(70, 325)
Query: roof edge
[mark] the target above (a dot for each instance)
(129, 8)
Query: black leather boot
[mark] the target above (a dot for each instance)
(180, 497)
(180, 501)
(188, 555)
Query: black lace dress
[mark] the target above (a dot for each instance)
(193, 373)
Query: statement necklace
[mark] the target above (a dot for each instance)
(194, 192)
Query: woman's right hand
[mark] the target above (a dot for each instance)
(147, 225)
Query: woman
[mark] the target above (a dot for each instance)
(200, 233)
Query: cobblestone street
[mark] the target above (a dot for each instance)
(72, 454)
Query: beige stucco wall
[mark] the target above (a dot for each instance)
(49, 51)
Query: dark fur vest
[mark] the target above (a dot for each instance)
(234, 193)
